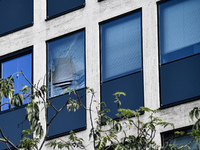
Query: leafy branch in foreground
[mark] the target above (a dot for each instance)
(129, 131)
(28, 93)
(73, 142)
(105, 130)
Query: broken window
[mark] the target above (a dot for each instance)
(66, 63)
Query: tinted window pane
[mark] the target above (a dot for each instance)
(12, 124)
(66, 63)
(180, 140)
(179, 29)
(58, 7)
(132, 85)
(121, 60)
(66, 121)
(121, 46)
(180, 80)
(22, 63)
(15, 14)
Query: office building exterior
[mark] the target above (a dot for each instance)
(149, 49)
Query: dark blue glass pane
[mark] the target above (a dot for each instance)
(121, 46)
(180, 140)
(58, 7)
(15, 14)
(180, 80)
(179, 30)
(184, 140)
(13, 123)
(66, 121)
(66, 63)
(10, 67)
(132, 85)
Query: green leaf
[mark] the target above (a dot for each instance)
(119, 93)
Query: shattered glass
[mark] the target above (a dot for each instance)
(66, 63)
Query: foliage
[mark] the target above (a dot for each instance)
(129, 131)
(73, 142)
(28, 142)
(28, 93)
(141, 140)
(105, 130)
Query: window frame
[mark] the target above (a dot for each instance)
(66, 132)
(100, 46)
(22, 27)
(11, 56)
(178, 102)
(171, 132)
(61, 13)
(62, 36)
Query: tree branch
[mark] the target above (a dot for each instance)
(6, 140)
(92, 124)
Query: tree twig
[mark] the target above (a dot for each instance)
(6, 140)
(92, 124)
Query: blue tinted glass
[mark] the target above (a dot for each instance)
(60, 125)
(184, 140)
(181, 140)
(121, 46)
(12, 124)
(179, 80)
(15, 14)
(66, 63)
(132, 85)
(57, 7)
(179, 24)
(23, 63)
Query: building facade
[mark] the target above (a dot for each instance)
(148, 49)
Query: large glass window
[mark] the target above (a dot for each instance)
(179, 40)
(66, 63)
(12, 66)
(58, 7)
(13, 121)
(180, 140)
(15, 15)
(121, 61)
(179, 29)
(66, 69)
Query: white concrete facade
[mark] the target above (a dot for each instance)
(89, 18)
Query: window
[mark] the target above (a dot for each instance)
(66, 63)
(13, 120)
(179, 41)
(59, 7)
(179, 140)
(121, 61)
(66, 69)
(12, 65)
(15, 15)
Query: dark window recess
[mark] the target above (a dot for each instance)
(59, 7)
(179, 43)
(66, 69)
(13, 121)
(15, 15)
(179, 140)
(121, 62)
(180, 80)
(66, 121)
(132, 85)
